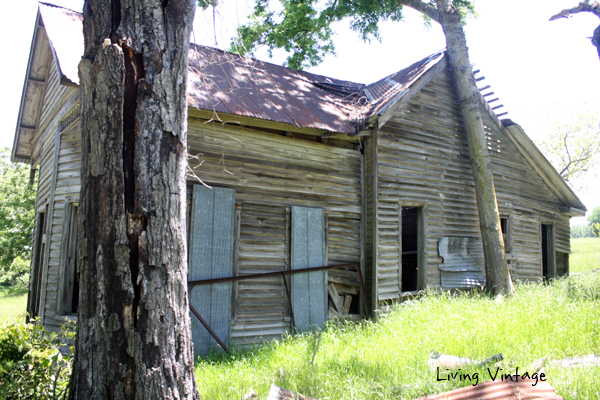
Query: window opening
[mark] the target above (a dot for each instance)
(410, 248)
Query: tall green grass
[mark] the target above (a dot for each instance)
(12, 304)
(388, 359)
(585, 254)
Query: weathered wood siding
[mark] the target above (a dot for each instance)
(270, 172)
(423, 159)
(58, 180)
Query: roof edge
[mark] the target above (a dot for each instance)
(543, 167)
(386, 113)
(14, 157)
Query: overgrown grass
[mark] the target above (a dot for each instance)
(13, 302)
(388, 359)
(585, 254)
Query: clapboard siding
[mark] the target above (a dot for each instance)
(423, 159)
(271, 173)
(68, 185)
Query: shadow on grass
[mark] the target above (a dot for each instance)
(10, 291)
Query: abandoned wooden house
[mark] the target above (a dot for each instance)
(299, 170)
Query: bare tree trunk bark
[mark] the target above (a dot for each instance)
(497, 276)
(133, 332)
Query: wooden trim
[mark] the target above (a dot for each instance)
(363, 226)
(236, 258)
(287, 263)
(400, 247)
(375, 229)
(64, 242)
(422, 247)
(232, 119)
(35, 266)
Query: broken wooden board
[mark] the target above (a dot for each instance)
(277, 393)
(338, 301)
(500, 390)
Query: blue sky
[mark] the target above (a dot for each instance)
(542, 71)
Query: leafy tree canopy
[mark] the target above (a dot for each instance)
(17, 202)
(304, 28)
(573, 147)
(594, 218)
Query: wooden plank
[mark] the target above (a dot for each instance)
(222, 262)
(299, 259)
(199, 266)
(211, 256)
(338, 302)
(309, 297)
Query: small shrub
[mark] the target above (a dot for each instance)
(31, 363)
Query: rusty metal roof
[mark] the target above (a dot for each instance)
(228, 83)
(225, 82)
(500, 390)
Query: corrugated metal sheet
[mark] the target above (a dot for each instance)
(243, 86)
(464, 262)
(500, 390)
(385, 90)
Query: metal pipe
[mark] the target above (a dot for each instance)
(192, 284)
(209, 329)
(287, 292)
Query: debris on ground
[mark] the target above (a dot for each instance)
(439, 360)
(251, 395)
(277, 393)
(500, 390)
(591, 360)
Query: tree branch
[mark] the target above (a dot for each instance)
(584, 6)
(424, 8)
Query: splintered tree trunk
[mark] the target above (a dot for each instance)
(133, 332)
(497, 276)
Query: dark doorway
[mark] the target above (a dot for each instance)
(548, 270)
(410, 248)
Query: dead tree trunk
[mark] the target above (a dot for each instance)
(133, 332)
(497, 276)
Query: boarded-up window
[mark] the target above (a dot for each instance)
(309, 295)
(69, 290)
(211, 256)
(562, 263)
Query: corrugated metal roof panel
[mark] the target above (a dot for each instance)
(500, 390)
(386, 89)
(243, 86)
(463, 262)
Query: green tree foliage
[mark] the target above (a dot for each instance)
(31, 363)
(17, 202)
(581, 231)
(573, 147)
(595, 229)
(304, 28)
(594, 218)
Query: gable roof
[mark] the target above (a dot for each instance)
(223, 82)
(228, 83)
